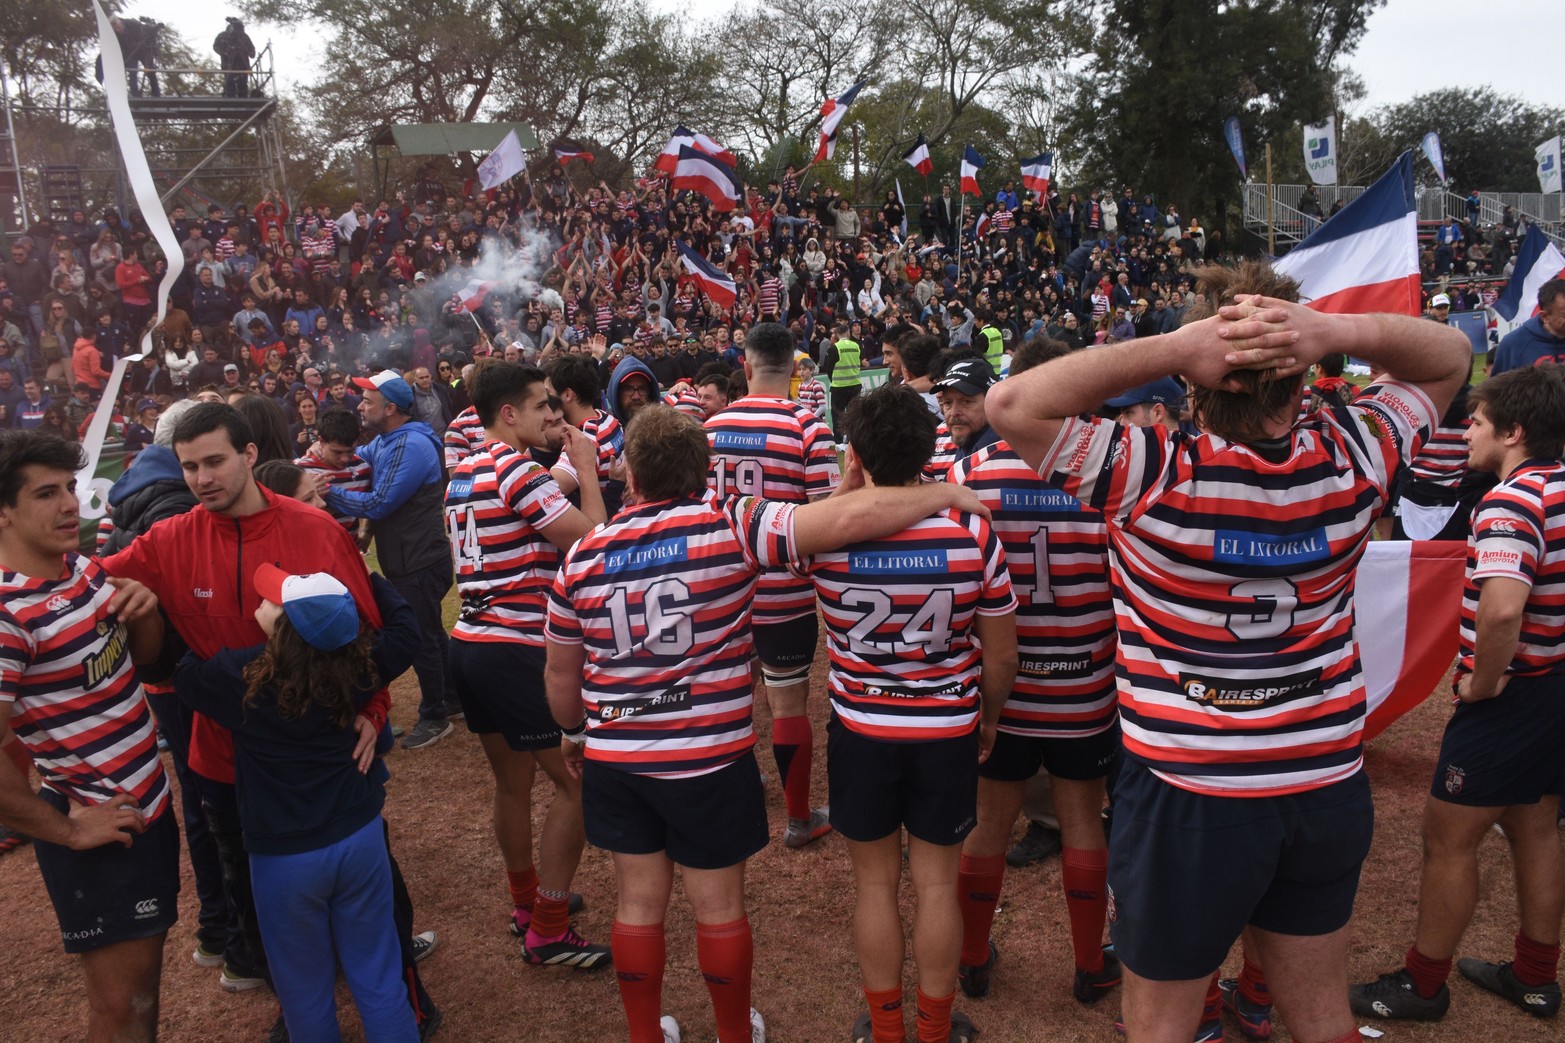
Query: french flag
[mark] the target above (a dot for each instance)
(972, 163)
(917, 157)
(832, 112)
(1366, 258)
(1036, 171)
(668, 159)
(1537, 262)
(981, 225)
(714, 282)
(708, 175)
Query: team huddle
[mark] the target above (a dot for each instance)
(1051, 573)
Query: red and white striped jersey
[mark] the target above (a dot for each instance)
(686, 401)
(776, 449)
(1519, 533)
(65, 668)
(1057, 553)
(606, 430)
(899, 625)
(355, 477)
(661, 597)
(464, 434)
(497, 505)
(1443, 459)
(812, 396)
(1233, 576)
(946, 452)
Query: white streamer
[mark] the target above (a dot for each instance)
(145, 190)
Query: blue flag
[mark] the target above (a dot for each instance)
(1235, 143)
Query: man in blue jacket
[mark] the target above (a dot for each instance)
(405, 503)
(1541, 339)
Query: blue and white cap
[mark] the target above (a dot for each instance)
(320, 608)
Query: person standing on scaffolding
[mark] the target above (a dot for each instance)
(234, 46)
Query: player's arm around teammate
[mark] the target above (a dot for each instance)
(649, 627)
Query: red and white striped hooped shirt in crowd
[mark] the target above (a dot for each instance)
(1233, 576)
(65, 668)
(464, 434)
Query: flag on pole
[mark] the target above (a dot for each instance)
(981, 225)
(566, 150)
(1537, 262)
(917, 157)
(1036, 171)
(972, 163)
(471, 296)
(1320, 151)
(504, 163)
(1235, 138)
(684, 137)
(714, 282)
(1409, 593)
(707, 175)
(1366, 258)
(1436, 156)
(832, 111)
(1548, 157)
(903, 204)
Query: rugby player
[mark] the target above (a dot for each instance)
(1060, 713)
(508, 520)
(1242, 799)
(106, 839)
(768, 445)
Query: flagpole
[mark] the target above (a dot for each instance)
(1271, 231)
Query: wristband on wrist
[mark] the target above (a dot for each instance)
(577, 735)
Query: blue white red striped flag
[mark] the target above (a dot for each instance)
(832, 112)
(972, 163)
(708, 175)
(1365, 259)
(1036, 172)
(1537, 262)
(714, 282)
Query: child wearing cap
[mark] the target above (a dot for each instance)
(310, 807)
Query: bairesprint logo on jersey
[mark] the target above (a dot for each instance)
(675, 700)
(739, 440)
(1037, 500)
(1059, 666)
(645, 555)
(917, 563)
(1238, 547)
(1249, 693)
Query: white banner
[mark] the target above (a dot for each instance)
(504, 163)
(1548, 157)
(1320, 151)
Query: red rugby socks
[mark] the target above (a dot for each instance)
(1536, 963)
(639, 952)
(793, 745)
(978, 885)
(934, 1017)
(1212, 1008)
(885, 1015)
(1085, 876)
(524, 892)
(1428, 975)
(1252, 984)
(551, 916)
(726, 954)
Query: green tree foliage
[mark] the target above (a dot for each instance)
(1488, 138)
(1163, 75)
(47, 48)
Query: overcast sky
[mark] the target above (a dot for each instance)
(1412, 46)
